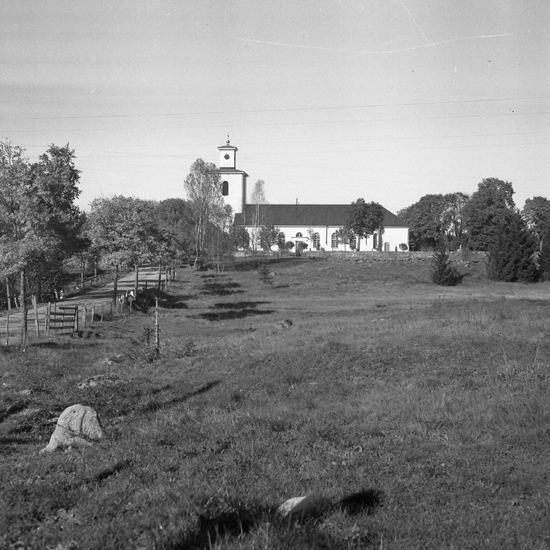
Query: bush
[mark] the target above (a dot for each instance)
(513, 255)
(442, 272)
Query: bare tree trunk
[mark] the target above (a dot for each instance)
(136, 280)
(8, 293)
(23, 305)
(115, 284)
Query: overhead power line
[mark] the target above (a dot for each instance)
(263, 124)
(289, 110)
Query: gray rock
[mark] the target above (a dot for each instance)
(302, 507)
(78, 426)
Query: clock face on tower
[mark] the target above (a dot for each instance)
(226, 156)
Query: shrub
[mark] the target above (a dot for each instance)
(513, 254)
(442, 272)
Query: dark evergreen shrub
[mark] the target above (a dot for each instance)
(513, 255)
(442, 272)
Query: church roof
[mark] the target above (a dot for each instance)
(309, 215)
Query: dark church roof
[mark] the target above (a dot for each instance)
(307, 215)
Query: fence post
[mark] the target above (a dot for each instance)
(47, 320)
(76, 318)
(93, 313)
(157, 328)
(8, 329)
(35, 306)
(101, 312)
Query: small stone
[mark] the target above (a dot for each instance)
(286, 323)
(302, 507)
(78, 426)
(25, 392)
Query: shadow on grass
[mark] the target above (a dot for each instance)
(8, 445)
(70, 343)
(224, 520)
(222, 289)
(239, 305)
(231, 314)
(154, 405)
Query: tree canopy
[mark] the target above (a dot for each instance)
(203, 188)
(124, 230)
(434, 217)
(363, 218)
(490, 207)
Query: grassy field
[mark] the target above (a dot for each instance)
(336, 378)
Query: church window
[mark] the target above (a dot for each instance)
(316, 241)
(334, 241)
(225, 188)
(353, 242)
(299, 234)
(281, 238)
(375, 241)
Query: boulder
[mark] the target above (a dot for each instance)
(303, 507)
(78, 426)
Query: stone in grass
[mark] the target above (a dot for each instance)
(78, 426)
(303, 507)
(286, 323)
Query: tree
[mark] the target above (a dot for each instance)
(203, 188)
(125, 231)
(259, 217)
(174, 220)
(453, 218)
(442, 272)
(490, 207)
(39, 219)
(363, 219)
(513, 252)
(426, 223)
(536, 213)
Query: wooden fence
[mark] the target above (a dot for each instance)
(57, 318)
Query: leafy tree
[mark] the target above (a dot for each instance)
(174, 220)
(241, 237)
(442, 272)
(203, 188)
(363, 219)
(512, 255)
(259, 219)
(490, 208)
(427, 221)
(39, 218)
(269, 235)
(453, 218)
(536, 213)
(125, 231)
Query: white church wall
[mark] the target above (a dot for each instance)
(392, 237)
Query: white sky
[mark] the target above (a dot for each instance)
(327, 100)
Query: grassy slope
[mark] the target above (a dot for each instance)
(436, 397)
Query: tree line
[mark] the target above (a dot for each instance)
(517, 241)
(42, 230)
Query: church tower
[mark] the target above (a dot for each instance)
(233, 180)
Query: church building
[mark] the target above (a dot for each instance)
(314, 225)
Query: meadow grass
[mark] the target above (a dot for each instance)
(436, 399)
